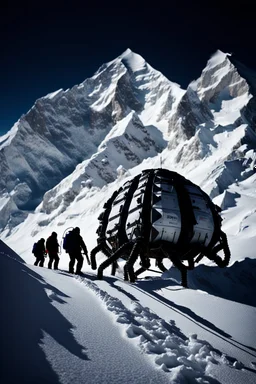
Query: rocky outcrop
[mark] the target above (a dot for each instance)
(218, 76)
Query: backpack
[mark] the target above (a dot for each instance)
(34, 248)
(66, 242)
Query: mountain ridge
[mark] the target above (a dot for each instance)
(68, 129)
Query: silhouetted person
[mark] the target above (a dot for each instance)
(74, 249)
(52, 247)
(40, 253)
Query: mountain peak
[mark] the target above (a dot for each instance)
(220, 75)
(132, 60)
(126, 52)
(217, 58)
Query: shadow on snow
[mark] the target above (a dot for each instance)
(28, 314)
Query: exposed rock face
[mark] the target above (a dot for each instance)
(190, 113)
(249, 110)
(218, 76)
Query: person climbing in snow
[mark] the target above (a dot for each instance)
(40, 253)
(74, 248)
(52, 247)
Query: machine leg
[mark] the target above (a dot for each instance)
(160, 265)
(112, 259)
(128, 268)
(93, 255)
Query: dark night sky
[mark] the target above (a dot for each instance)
(50, 45)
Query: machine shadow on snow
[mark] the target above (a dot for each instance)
(235, 283)
(27, 317)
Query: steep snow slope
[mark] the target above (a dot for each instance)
(57, 328)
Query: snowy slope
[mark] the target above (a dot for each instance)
(57, 328)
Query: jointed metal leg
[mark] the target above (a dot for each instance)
(114, 268)
(128, 268)
(223, 245)
(113, 258)
(145, 263)
(93, 255)
(160, 265)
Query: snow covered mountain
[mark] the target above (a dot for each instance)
(73, 143)
(213, 125)
(65, 128)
